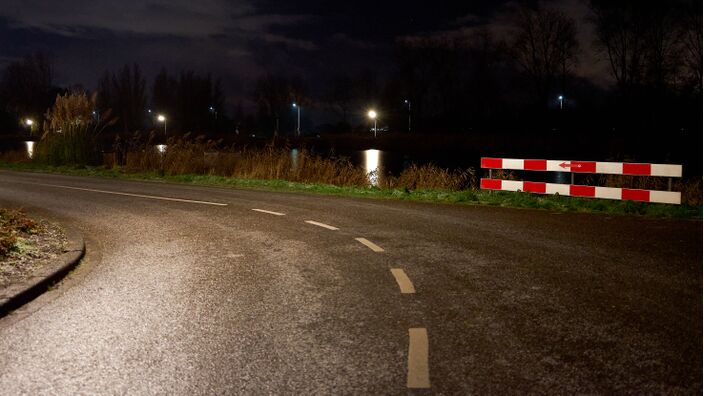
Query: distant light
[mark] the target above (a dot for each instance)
(560, 97)
(294, 105)
(149, 110)
(211, 108)
(161, 148)
(29, 122)
(405, 101)
(160, 118)
(93, 112)
(372, 114)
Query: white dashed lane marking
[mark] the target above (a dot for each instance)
(418, 373)
(269, 212)
(371, 245)
(404, 283)
(315, 223)
(135, 195)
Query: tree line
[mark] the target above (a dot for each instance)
(440, 84)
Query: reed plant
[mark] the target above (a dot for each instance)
(70, 132)
(200, 157)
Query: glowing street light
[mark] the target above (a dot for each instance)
(561, 99)
(162, 118)
(408, 102)
(372, 114)
(29, 123)
(298, 128)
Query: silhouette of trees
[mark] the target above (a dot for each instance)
(26, 87)
(647, 43)
(164, 94)
(191, 102)
(340, 99)
(125, 94)
(453, 83)
(545, 48)
(457, 80)
(654, 50)
(274, 96)
(691, 42)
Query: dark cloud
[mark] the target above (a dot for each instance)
(234, 40)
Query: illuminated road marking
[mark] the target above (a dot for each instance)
(269, 212)
(136, 195)
(369, 244)
(418, 373)
(329, 227)
(404, 283)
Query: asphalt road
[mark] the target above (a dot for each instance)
(180, 297)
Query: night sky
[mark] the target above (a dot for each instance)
(237, 41)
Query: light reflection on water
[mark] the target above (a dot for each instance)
(377, 162)
(372, 165)
(294, 159)
(30, 148)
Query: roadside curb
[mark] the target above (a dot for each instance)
(17, 295)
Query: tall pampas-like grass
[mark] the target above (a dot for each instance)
(70, 132)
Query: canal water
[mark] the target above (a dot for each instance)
(380, 162)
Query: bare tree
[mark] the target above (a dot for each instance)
(125, 94)
(692, 48)
(275, 94)
(647, 43)
(26, 86)
(340, 97)
(545, 48)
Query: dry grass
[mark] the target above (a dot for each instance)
(202, 157)
(431, 177)
(691, 188)
(14, 157)
(198, 156)
(13, 225)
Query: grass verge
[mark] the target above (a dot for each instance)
(478, 197)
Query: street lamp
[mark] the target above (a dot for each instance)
(408, 102)
(372, 115)
(29, 123)
(561, 99)
(162, 118)
(298, 128)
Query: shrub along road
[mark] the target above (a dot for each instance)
(189, 290)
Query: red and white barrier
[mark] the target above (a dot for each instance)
(572, 190)
(610, 168)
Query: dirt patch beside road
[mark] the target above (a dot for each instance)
(26, 245)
